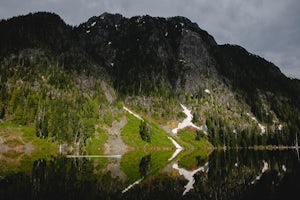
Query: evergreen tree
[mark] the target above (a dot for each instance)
(145, 131)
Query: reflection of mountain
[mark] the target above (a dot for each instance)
(87, 178)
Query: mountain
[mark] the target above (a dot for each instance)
(71, 82)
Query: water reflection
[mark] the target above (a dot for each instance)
(244, 174)
(189, 175)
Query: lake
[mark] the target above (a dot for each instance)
(230, 174)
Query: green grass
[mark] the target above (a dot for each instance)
(194, 159)
(131, 136)
(130, 163)
(8, 129)
(95, 146)
(30, 136)
(190, 138)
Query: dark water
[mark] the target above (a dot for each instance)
(243, 174)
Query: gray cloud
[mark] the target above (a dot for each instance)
(269, 28)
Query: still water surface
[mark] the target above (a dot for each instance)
(243, 174)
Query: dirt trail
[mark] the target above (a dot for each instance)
(115, 144)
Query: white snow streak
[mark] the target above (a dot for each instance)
(94, 156)
(93, 24)
(262, 128)
(136, 115)
(175, 143)
(187, 121)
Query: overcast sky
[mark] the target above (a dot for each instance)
(269, 28)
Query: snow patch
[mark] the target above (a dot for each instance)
(94, 156)
(88, 31)
(204, 129)
(207, 91)
(93, 24)
(280, 127)
(136, 115)
(262, 128)
(187, 121)
(138, 20)
(112, 64)
(166, 34)
(182, 24)
(175, 143)
(109, 43)
(189, 175)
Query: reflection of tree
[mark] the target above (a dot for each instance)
(145, 165)
(200, 161)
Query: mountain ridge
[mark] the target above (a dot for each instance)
(149, 63)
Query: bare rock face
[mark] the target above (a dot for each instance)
(144, 53)
(195, 56)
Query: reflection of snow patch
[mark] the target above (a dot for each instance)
(177, 151)
(88, 31)
(280, 127)
(283, 168)
(166, 34)
(112, 64)
(186, 122)
(189, 175)
(133, 184)
(136, 115)
(264, 169)
(109, 43)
